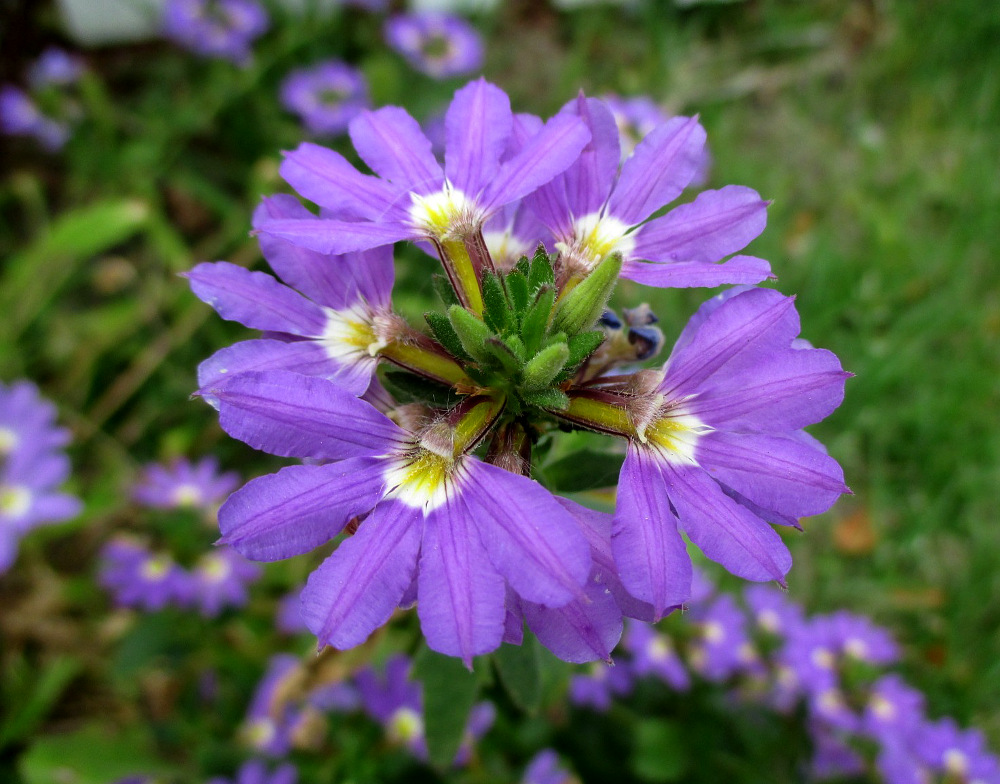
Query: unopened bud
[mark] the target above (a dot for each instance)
(579, 310)
(545, 366)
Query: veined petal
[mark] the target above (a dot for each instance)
(254, 299)
(307, 357)
(545, 155)
(333, 281)
(775, 472)
(747, 326)
(460, 596)
(299, 508)
(586, 629)
(650, 553)
(784, 391)
(588, 181)
(328, 179)
(660, 167)
(329, 236)
(301, 416)
(390, 141)
(714, 225)
(697, 274)
(478, 124)
(531, 540)
(726, 532)
(356, 589)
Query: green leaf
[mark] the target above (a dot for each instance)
(29, 709)
(496, 311)
(545, 366)
(442, 287)
(523, 266)
(518, 666)
(659, 754)
(516, 345)
(503, 357)
(536, 320)
(550, 398)
(471, 331)
(585, 469)
(541, 273)
(517, 287)
(582, 346)
(445, 334)
(449, 693)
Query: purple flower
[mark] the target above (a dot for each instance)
(594, 208)
(184, 484)
(544, 768)
(721, 647)
(473, 527)
(220, 579)
(718, 448)
(894, 710)
(19, 116)
(55, 67)
(256, 772)
(326, 96)
(333, 328)
(272, 717)
(138, 578)
(772, 610)
(653, 653)
(600, 685)
(27, 423)
(858, 638)
(413, 197)
(959, 754)
(439, 45)
(832, 756)
(215, 28)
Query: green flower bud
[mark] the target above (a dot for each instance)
(579, 310)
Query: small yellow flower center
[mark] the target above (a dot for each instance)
(187, 495)
(660, 649)
(445, 214)
(713, 631)
(956, 762)
(405, 726)
(882, 708)
(831, 701)
(155, 568)
(351, 334)
(823, 657)
(769, 620)
(260, 732)
(8, 441)
(595, 237)
(14, 500)
(215, 568)
(856, 648)
(420, 478)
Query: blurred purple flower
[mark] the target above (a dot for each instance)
(19, 116)
(721, 647)
(220, 579)
(600, 684)
(184, 484)
(55, 67)
(960, 755)
(272, 717)
(439, 45)
(326, 96)
(138, 578)
(256, 772)
(653, 654)
(545, 768)
(215, 28)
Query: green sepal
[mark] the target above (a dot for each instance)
(542, 368)
(582, 346)
(496, 311)
(472, 332)
(541, 273)
(579, 310)
(442, 287)
(446, 335)
(517, 288)
(505, 359)
(410, 388)
(536, 321)
(550, 398)
(516, 345)
(523, 265)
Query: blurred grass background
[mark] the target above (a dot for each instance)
(872, 124)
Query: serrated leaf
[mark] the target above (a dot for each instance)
(520, 672)
(585, 469)
(449, 693)
(442, 287)
(496, 310)
(536, 321)
(517, 287)
(445, 334)
(541, 273)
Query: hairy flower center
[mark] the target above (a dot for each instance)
(447, 213)
(14, 500)
(351, 334)
(420, 478)
(594, 238)
(669, 429)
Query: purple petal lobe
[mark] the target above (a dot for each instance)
(289, 513)
(530, 538)
(478, 123)
(658, 170)
(356, 589)
(543, 156)
(300, 416)
(391, 142)
(460, 596)
(725, 532)
(711, 227)
(586, 629)
(255, 299)
(588, 181)
(650, 554)
(697, 274)
(337, 236)
(328, 179)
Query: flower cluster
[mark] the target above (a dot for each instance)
(766, 651)
(327, 96)
(215, 28)
(439, 45)
(256, 772)
(426, 464)
(32, 467)
(47, 110)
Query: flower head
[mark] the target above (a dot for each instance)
(439, 45)
(215, 28)
(57, 67)
(138, 577)
(183, 483)
(326, 96)
(20, 116)
(256, 772)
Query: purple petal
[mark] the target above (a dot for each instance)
(660, 167)
(477, 124)
(337, 236)
(747, 326)
(302, 356)
(356, 589)
(774, 472)
(650, 554)
(714, 225)
(460, 597)
(300, 416)
(697, 274)
(726, 532)
(530, 538)
(390, 141)
(545, 155)
(299, 508)
(254, 299)
(328, 179)
(587, 629)
(784, 391)
(588, 181)
(333, 281)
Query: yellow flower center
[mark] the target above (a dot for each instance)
(405, 725)
(215, 568)
(420, 478)
(156, 568)
(14, 500)
(351, 334)
(187, 495)
(595, 237)
(8, 441)
(445, 214)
